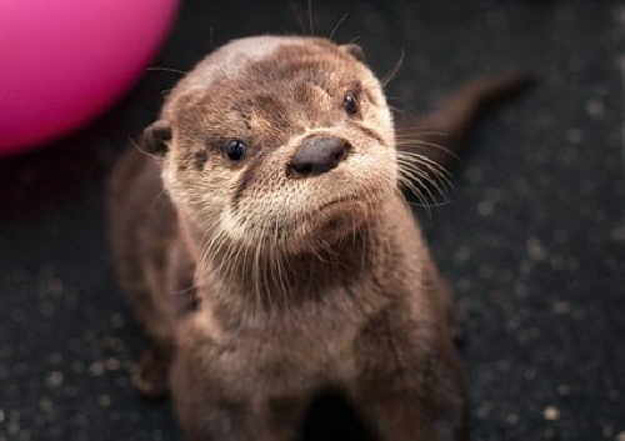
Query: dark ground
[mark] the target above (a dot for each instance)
(532, 239)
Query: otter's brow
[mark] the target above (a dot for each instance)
(354, 86)
(359, 89)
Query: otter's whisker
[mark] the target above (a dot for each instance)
(337, 25)
(295, 10)
(414, 142)
(394, 71)
(137, 147)
(423, 203)
(420, 177)
(434, 166)
(414, 169)
(167, 69)
(424, 159)
(311, 21)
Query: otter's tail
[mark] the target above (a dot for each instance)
(439, 135)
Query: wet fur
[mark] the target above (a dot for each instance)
(256, 298)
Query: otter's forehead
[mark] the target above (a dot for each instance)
(249, 65)
(230, 58)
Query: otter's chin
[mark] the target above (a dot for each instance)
(333, 222)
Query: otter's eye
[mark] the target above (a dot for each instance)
(350, 103)
(235, 149)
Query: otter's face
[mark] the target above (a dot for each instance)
(294, 143)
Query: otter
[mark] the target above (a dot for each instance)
(262, 235)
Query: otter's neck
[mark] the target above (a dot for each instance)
(263, 280)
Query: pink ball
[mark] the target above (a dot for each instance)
(66, 61)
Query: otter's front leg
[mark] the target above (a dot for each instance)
(411, 385)
(210, 407)
(151, 376)
(173, 301)
(429, 406)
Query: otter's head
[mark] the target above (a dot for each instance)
(281, 138)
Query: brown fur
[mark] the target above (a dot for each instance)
(261, 289)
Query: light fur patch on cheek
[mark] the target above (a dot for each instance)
(375, 169)
(233, 226)
(170, 181)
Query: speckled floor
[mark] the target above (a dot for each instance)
(533, 237)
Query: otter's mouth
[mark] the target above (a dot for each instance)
(338, 216)
(340, 201)
(324, 223)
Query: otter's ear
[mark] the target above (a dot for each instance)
(155, 137)
(354, 50)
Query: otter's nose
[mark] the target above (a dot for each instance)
(319, 154)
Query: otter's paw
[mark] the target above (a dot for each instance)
(151, 376)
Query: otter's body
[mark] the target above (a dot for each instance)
(270, 256)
